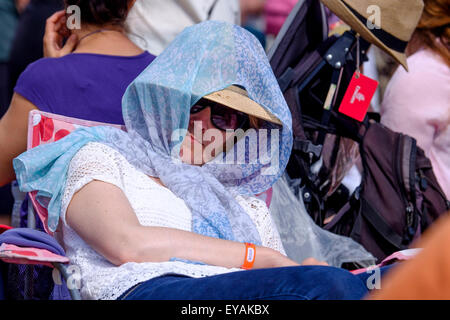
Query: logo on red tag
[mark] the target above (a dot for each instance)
(357, 99)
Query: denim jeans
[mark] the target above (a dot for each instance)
(288, 283)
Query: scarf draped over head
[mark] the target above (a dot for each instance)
(204, 58)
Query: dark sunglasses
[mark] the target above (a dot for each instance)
(222, 117)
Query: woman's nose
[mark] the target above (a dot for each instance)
(203, 116)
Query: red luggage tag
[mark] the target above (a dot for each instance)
(359, 94)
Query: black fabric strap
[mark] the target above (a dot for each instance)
(382, 227)
(388, 39)
(285, 79)
(306, 146)
(338, 216)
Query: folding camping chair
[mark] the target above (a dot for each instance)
(43, 128)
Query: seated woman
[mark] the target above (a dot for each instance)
(167, 210)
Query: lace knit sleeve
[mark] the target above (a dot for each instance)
(94, 161)
(259, 213)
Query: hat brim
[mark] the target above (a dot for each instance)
(237, 99)
(345, 14)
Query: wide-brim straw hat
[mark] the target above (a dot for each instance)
(236, 98)
(397, 18)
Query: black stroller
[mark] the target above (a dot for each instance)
(314, 71)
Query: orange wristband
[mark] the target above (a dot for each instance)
(250, 255)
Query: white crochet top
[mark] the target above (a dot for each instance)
(154, 205)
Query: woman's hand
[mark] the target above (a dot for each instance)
(55, 33)
(274, 259)
(314, 262)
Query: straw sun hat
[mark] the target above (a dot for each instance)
(398, 20)
(236, 98)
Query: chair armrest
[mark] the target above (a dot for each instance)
(10, 253)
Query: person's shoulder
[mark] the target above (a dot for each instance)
(43, 68)
(419, 93)
(103, 162)
(37, 82)
(45, 63)
(426, 58)
(96, 158)
(424, 63)
(99, 152)
(101, 155)
(426, 70)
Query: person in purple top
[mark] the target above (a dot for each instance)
(86, 80)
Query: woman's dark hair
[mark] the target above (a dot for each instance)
(102, 12)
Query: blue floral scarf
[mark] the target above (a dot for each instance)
(205, 58)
